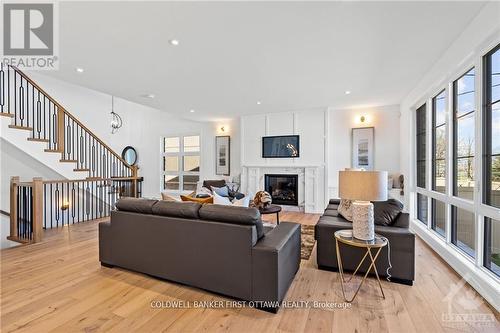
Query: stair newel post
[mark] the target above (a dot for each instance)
(135, 174)
(37, 209)
(60, 130)
(14, 181)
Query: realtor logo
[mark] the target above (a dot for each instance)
(29, 35)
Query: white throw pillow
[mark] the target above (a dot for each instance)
(243, 202)
(345, 209)
(220, 200)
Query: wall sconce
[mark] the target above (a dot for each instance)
(362, 119)
(222, 129)
(65, 205)
(116, 120)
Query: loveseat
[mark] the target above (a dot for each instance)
(401, 244)
(223, 249)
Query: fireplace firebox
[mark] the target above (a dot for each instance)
(283, 189)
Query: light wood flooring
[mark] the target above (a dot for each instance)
(59, 286)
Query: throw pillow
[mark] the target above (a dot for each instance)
(222, 191)
(345, 209)
(199, 200)
(166, 197)
(243, 202)
(220, 200)
(386, 212)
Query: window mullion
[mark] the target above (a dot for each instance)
(478, 161)
(449, 172)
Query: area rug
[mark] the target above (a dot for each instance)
(307, 241)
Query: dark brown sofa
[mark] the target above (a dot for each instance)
(218, 248)
(401, 240)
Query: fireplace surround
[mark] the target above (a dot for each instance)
(283, 188)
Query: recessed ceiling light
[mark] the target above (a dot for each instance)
(347, 92)
(174, 42)
(259, 103)
(148, 96)
(192, 111)
(79, 69)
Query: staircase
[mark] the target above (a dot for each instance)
(41, 204)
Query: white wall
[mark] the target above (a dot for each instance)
(142, 128)
(309, 124)
(385, 119)
(15, 162)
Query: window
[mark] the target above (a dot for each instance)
(439, 142)
(438, 216)
(464, 107)
(492, 245)
(422, 208)
(491, 125)
(421, 133)
(463, 232)
(181, 163)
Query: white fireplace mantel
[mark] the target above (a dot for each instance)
(310, 192)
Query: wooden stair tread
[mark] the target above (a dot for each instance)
(94, 178)
(87, 170)
(3, 114)
(38, 140)
(67, 161)
(52, 151)
(21, 127)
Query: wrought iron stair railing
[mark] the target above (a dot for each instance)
(34, 110)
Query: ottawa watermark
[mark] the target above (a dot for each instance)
(463, 297)
(30, 38)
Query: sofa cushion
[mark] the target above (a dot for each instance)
(331, 212)
(334, 201)
(136, 205)
(345, 209)
(233, 214)
(187, 210)
(215, 183)
(386, 212)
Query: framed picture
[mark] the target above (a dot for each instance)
(222, 155)
(362, 148)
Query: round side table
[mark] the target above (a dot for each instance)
(346, 237)
(272, 209)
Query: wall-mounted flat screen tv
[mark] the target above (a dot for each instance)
(285, 146)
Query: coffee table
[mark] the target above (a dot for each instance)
(346, 237)
(272, 209)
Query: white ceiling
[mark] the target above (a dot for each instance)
(288, 55)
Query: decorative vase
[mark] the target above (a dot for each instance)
(363, 226)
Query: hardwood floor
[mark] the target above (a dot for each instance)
(59, 286)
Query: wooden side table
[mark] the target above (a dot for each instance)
(272, 209)
(346, 237)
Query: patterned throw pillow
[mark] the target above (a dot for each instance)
(345, 209)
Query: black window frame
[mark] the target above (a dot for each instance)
(434, 226)
(488, 222)
(455, 131)
(487, 122)
(434, 127)
(419, 211)
(421, 132)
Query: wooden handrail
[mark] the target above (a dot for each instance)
(61, 123)
(65, 181)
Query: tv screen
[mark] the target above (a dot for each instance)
(280, 146)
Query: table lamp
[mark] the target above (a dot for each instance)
(363, 187)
